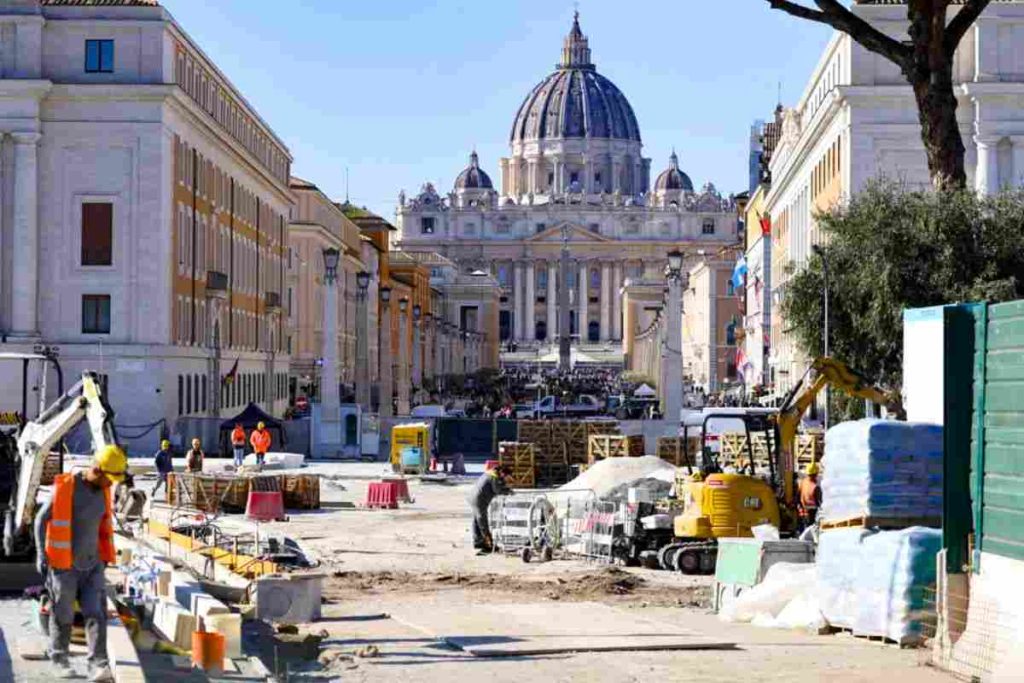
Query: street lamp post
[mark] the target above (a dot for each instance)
(362, 342)
(673, 361)
(385, 356)
(820, 251)
(428, 349)
(329, 431)
(404, 355)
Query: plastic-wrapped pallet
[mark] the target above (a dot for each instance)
(879, 583)
(882, 468)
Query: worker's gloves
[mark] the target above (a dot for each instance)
(41, 566)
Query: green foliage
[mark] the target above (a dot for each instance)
(889, 249)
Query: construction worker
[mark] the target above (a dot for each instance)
(238, 443)
(164, 466)
(810, 496)
(490, 484)
(194, 458)
(75, 536)
(260, 442)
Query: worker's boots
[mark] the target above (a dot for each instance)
(62, 670)
(102, 673)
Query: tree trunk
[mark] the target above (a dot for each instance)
(931, 76)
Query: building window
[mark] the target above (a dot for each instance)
(551, 178)
(204, 394)
(181, 395)
(99, 56)
(730, 288)
(97, 233)
(540, 227)
(188, 395)
(708, 228)
(95, 314)
(427, 225)
(597, 178)
(730, 334)
(595, 228)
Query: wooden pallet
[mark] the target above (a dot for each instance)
(534, 431)
(601, 446)
(810, 447)
(671, 449)
(301, 491)
(874, 522)
(603, 427)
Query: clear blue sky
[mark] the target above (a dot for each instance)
(399, 91)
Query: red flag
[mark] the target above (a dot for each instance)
(766, 225)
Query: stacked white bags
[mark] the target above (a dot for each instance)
(879, 583)
(881, 468)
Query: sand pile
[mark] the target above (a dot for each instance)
(605, 476)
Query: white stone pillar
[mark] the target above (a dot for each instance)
(1017, 177)
(404, 356)
(558, 187)
(606, 304)
(517, 301)
(582, 319)
(617, 302)
(25, 237)
(552, 301)
(328, 439)
(531, 300)
(616, 175)
(987, 176)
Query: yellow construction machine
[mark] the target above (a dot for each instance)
(717, 504)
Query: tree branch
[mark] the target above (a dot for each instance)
(963, 20)
(834, 14)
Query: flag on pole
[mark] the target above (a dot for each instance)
(739, 272)
(766, 225)
(232, 374)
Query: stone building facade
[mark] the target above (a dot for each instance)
(575, 175)
(144, 212)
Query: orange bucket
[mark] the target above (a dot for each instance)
(208, 651)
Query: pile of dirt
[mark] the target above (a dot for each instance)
(605, 584)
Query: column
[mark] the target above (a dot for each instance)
(552, 296)
(25, 236)
(385, 356)
(362, 369)
(517, 301)
(558, 187)
(616, 175)
(617, 302)
(606, 282)
(531, 300)
(404, 356)
(672, 374)
(582, 319)
(1017, 178)
(987, 176)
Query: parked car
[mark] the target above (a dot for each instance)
(552, 406)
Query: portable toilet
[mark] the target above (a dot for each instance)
(414, 435)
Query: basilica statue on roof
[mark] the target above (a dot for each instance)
(576, 173)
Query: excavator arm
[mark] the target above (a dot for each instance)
(827, 371)
(83, 401)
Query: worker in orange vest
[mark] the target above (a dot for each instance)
(810, 496)
(238, 443)
(74, 535)
(260, 442)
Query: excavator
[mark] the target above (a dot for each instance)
(23, 456)
(717, 504)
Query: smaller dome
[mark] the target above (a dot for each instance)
(473, 178)
(672, 178)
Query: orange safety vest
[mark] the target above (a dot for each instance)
(809, 494)
(238, 436)
(58, 529)
(260, 440)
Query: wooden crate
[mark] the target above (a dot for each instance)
(868, 522)
(670, 449)
(301, 491)
(810, 447)
(534, 431)
(602, 427)
(203, 492)
(51, 468)
(601, 446)
(520, 457)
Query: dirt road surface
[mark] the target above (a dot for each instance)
(388, 570)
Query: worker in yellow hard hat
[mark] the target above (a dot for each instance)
(164, 466)
(74, 534)
(810, 496)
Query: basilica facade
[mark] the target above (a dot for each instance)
(575, 179)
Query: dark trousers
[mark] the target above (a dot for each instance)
(481, 530)
(88, 587)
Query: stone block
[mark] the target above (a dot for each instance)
(183, 590)
(203, 606)
(292, 599)
(174, 623)
(229, 626)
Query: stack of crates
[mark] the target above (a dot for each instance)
(673, 449)
(520, 459)
(603, 446)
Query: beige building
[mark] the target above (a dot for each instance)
(575, 174)
(712, 323)
(317, 224)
